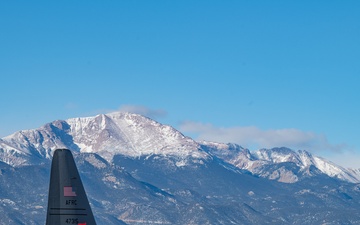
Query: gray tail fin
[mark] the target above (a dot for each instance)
(67, 203)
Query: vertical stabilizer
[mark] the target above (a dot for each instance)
(67, 203)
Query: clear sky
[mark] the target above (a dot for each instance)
(257, 73)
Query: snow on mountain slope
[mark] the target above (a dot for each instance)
(37, 144)
(304, 160)
(233, 154)
(131, 135)
(114, 133)
(11, 155)
(270, 162)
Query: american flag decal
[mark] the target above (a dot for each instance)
(68, 192)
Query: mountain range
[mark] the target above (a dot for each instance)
(139, 171)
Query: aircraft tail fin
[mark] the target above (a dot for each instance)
(67, 201)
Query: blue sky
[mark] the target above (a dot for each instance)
(257, 73)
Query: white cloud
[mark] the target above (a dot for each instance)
(254, 137)
(71, 105)
(143, 110)
(347, 159)
(137, 109)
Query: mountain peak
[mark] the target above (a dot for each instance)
(130, 134)
(278, 155)
(105, 134)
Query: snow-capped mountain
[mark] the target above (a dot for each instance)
(278, 163)
(107, 135)
(134, 135)
(138, 171)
